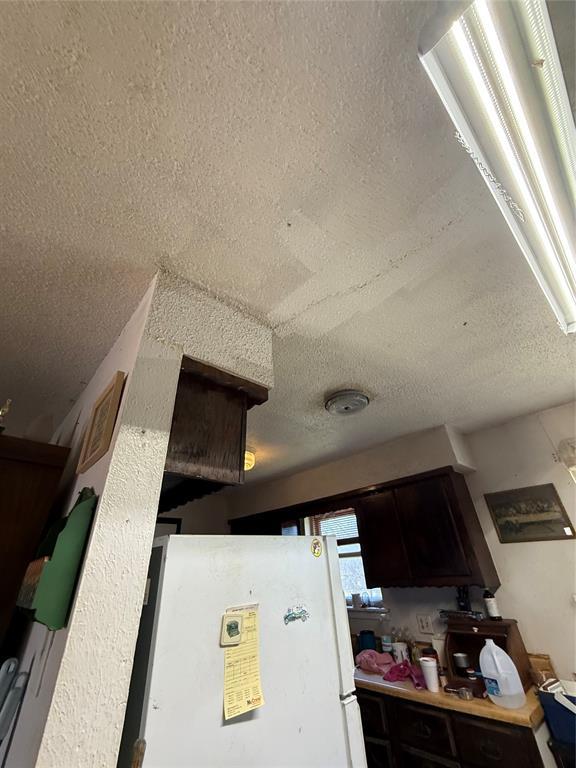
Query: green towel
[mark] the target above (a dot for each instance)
(58, 581)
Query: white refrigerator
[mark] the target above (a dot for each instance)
(310, 718)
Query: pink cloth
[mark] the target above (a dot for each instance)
(374, 662)
(404, 671)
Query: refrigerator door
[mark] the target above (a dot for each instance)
(353, 720)
(306, 720)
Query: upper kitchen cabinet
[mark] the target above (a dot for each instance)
(208, 434)
(423, 531)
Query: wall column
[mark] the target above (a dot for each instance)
(85, 718)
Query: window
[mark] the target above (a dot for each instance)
(290, 529)
(343, 525)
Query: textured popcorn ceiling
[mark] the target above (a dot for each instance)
(290, 157)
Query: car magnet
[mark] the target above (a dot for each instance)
(297, 613)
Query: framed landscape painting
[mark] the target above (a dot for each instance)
(534, 513)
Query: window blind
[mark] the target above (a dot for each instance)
(341, 524)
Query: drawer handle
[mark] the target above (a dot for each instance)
(491, 751)
(422, 730)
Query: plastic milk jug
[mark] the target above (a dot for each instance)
(501, 677)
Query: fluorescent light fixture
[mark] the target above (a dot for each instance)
(496, 68)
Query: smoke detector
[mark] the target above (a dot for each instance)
(346, 401)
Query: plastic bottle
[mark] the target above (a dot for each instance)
(501, 677)
(492, 606)
(385, 633)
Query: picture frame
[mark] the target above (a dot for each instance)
(533, 513)
(101, 424)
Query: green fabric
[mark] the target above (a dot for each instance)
(58, 581)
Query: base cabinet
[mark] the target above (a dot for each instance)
(378, 753)
(400, 734)
(413, 758)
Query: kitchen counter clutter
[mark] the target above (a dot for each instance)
(407, 728)
(530, 715)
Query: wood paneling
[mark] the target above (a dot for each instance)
(207, 439)
(256, 394)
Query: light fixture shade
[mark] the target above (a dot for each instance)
(496, 69)
(249, 460)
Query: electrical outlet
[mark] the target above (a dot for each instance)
(424, 624)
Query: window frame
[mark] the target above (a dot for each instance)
(315, 529)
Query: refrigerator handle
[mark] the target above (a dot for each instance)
(138, 753)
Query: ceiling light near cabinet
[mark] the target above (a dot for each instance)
(496, 68)
(249, 460)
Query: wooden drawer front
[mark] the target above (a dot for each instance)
(481, 743)
(413, 758)
(425, 728)
(378, 753)
(373, 712)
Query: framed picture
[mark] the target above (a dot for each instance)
(534, 513)
(101, 424)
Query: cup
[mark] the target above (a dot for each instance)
(367, 640)
(357, 602)
(430, 671)
(400, 652)
(461, 660)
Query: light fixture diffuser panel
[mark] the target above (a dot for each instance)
(497, 71)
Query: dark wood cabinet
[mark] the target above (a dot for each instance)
(417, 531)
(382, 539)
(423, 531)
(29, 476)
(428, 517)
(373, 713)
(403, 734)
(485, 744)
(379, 753)
(414, 758)
(208, 433)
(207, 438)
(256, 525)
(375, 726)
(426, 729)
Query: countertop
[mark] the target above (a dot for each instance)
(529, 716)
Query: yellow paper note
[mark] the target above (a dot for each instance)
(242, 687)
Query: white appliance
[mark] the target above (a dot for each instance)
(310, 718)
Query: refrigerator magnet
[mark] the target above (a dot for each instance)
(231, 633)
(296, 613)
(316, 547)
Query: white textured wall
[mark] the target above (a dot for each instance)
(407, 455)
(85, 717)
(184, 317)
(538, 578)
(85, 720)
(44, 649)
